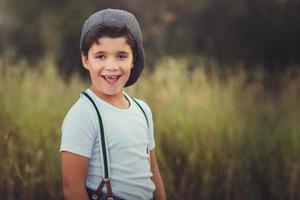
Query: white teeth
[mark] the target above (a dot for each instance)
(110, 77)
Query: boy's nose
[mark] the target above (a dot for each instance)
(111, 65)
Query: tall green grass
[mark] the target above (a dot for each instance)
(216, 138)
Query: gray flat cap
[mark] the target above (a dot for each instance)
(118, 18)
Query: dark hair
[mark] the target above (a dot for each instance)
(109, 31)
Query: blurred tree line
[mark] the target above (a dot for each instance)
(252, 32)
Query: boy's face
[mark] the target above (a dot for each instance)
(109, 63)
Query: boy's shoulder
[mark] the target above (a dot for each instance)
(80, 109)
(141, 103)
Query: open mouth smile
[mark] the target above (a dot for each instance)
(111, 79)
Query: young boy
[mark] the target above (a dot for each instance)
(107, 146)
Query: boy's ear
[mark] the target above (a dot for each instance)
(84, 60)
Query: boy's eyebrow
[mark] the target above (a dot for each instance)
(103, 52)
(100, 52)
(123, 52)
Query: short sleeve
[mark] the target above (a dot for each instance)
(78, 131)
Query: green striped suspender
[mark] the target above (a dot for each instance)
(139, 105)
(106, 178)
(104, 150)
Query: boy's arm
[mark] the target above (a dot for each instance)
(74, 171)
(159, 193)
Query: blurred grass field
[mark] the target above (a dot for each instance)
(216, 139)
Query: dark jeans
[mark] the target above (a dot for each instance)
(102, 196)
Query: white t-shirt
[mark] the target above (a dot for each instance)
(128, 138)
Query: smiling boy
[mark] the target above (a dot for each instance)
(107, 146)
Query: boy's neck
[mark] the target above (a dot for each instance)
(118, 100)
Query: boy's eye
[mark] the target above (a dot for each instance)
(122, 57)
(100, 57)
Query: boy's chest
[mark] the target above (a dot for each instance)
(126, 130)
